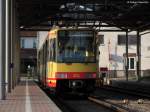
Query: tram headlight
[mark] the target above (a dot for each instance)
(73, 83)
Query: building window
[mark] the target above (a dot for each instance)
(132, 40)
(22, 43)
(100, 39)
(131, 63)
(148, 48)
(28, 42)
(121, 39)
(34, 44)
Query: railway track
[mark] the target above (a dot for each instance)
(107, 100)
(85, 105)
(80, 103)
(124, 99)
(109, 105)
(77, 104)
(128, 91)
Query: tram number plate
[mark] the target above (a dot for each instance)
(76, 75)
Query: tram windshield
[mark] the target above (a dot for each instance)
(76, 46)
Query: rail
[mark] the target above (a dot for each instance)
(108, 105)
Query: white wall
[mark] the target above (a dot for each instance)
(145, 53)
(118, 50)
(41, 36)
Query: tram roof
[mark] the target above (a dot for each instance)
(43, 14)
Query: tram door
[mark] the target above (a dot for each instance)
(45, 63)
(52, 56)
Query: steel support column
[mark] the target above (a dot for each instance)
(2, 50)
(12, 43)
(8, 44)
(138, 64)
(127, 59)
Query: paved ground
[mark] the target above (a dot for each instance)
(28, 97)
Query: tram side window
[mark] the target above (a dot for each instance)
(47, 50)
(39, 55)
(52, 50)
(42, 56)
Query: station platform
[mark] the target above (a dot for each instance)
(28, 97)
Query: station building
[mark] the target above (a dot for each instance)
(28, 52)
(112, 56)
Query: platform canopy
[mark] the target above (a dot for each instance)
(124, 14)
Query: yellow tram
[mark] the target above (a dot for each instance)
(67, 60)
